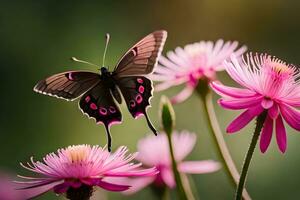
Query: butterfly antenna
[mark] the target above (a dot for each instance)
(108, 137)
(107, 37)
(150, 124)
(82, 61)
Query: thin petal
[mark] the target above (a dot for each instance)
(133, 173)
(37, 191)
(291, 116)
(168, 177)
(183, 95)
(199, 167)
(281, 134)
(112, 187)
(273, 111)
(237, 104)
(243, 119)
(223, 90)
(266, 134)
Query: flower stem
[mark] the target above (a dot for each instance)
(220, 144)
(84, 192)
(168, 123)
(179, 185)
(259, 124)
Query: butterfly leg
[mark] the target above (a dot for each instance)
(150, 124)
(108, 137)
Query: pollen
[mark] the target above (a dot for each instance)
(77, 153)
(280, 67)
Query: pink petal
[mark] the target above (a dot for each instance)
(281, 134)
(137, 184)
(242, 103)
(266, 134)
(183, 95)
(112, 187)
(37, 191)
(273, 111)
(267, 103)
(199, 167)
(223, 90)
(133, 173)
(168, 177)
(62, 188)
(243, 119)
(291, 116)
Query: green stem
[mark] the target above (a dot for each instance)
(259, 124)
(179, 185)
(220, 144)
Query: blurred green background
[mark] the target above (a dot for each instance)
(37, 38)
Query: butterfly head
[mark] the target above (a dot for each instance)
(104, 70)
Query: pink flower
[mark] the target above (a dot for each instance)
(154, 152)
(269, 84)
(7, 188)
(81, 167)
(193, 62)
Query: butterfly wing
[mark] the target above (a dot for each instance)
(137, 92)
(67, 85)
(98, 103)
(143, 56)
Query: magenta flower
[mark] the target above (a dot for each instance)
(154, 152)
(81, 167)
(193, 62)
(269, 84)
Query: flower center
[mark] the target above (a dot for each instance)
(77, 153)
(279, 69)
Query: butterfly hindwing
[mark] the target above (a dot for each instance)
(67, 85)
(143, 56)
(98, 103)
(137, 91)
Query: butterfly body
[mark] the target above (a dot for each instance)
(101, 92)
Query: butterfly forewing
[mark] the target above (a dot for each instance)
(143, 56)
(67, 85)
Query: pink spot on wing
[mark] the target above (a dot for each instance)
(139, 80)
(141, 89)
(139, 98)
(70, 77)
(93, 106)
(102, 111)
(138, 114)
(132, 103)
(87, 99)
(114, 122)
(112, 109)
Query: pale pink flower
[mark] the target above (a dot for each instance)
(7, 188)
(193, 62)
(154, 152)
(268, 84)
(81, 166)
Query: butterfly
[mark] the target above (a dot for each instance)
(101, 92)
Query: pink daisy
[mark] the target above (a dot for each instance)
(193, 62)
(269, 84)
(76, 169)
(154, 152)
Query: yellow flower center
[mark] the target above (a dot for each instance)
(280, 67)
(77, 153)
